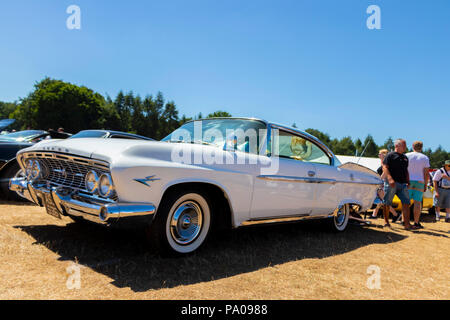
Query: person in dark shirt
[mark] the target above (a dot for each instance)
(395, 170)
(380, 191)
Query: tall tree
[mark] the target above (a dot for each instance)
(55, 103)
(388, 144)
(344, 147)
(371, 148)
(170, 118)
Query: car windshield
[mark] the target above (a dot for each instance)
(6, 122)
(89, 134)
(238, 134)
(26, 135)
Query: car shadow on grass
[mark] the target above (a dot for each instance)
(124, 256)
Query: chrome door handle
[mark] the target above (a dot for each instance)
(311, 173)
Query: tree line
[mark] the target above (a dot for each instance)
(368, 148)
(55, 103)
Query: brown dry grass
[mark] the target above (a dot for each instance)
(293, 261)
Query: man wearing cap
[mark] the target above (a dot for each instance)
(418, 166)
(441, 182)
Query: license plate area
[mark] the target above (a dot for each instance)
(50, 206)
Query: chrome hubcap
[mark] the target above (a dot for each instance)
(340, 217)
(186, 222)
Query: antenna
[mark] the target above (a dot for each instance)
(357, 162)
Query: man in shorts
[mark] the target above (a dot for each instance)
(418, 167)
(395, 169)
(441, 182)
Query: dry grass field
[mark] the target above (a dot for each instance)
(291, 261)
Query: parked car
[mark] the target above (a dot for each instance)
(13, 142)
(10, 144)
(206, 175)
(5, 123)
(108, 134)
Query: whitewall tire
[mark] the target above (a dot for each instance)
(182, 223)
(339, 221)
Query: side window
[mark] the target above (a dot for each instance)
(295, 147)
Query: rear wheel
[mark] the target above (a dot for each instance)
(339, 221)
(182, 223)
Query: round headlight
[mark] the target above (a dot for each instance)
(28, 168)
(32, 169)
(35, 170)
(105, 186)
(91, 181)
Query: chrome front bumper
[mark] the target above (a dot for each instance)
(72, 203)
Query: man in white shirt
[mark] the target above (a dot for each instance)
(418, 167)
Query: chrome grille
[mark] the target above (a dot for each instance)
(67, 171)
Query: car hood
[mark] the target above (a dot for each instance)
(96, 148)
(112, 150)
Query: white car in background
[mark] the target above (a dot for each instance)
(206, 174)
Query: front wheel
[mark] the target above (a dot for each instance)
(339, 221)
(182, 223)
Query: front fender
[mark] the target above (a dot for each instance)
(147, 181)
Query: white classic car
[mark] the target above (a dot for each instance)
(219, 172)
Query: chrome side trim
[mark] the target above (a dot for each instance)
(273, 220)
(296, 179)
(311, 180)
(361, 183)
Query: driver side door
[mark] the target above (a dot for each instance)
(290, 190)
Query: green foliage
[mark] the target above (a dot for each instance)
(6, 108)
(219, 114)
(438, 157)
(388, 144)
(324, 137)
(344, 146)
(371, 148)
(55, 104)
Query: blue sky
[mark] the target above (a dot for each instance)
(312, 62)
